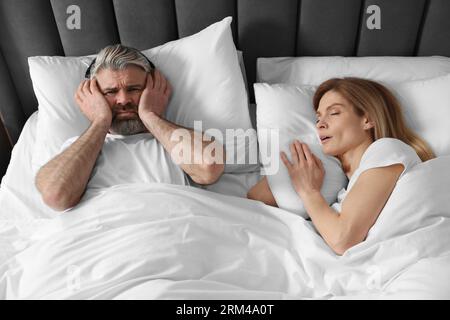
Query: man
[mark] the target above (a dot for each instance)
(124, 98)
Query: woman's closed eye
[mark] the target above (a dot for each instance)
(333, 114)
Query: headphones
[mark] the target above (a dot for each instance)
(87, 75)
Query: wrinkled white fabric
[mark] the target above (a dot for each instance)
(171, 241)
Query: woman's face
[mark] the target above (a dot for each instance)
(337, 120)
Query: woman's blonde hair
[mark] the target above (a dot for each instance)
(375, 101)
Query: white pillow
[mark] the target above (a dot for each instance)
(420, 83)
(426, 105)
(203, 70)
(289, 109)
(315, 70)
(242, 66)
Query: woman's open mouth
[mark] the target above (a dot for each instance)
(324, 139)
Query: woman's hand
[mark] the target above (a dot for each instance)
(306, 170)
(155, 96)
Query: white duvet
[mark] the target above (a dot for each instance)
(161, 241)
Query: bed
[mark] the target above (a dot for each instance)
(162, 241)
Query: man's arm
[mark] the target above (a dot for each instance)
(152, 105)
(203, 171)
(63, 179)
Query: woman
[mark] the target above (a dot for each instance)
(360, 122)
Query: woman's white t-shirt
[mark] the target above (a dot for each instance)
(381, 153)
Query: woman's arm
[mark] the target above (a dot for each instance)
(360, 208)
(261, 192)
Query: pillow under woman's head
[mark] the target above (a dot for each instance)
(285, 113)
(421, 84)
(290, 110)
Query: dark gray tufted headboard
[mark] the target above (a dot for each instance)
(261, 28)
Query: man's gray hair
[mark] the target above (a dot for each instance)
(118, 57)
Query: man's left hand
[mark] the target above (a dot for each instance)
(156, 94)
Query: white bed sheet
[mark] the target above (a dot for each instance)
(161, 241)
(19, 193)
(19, 198)
(179, 242)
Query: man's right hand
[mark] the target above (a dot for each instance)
(155, 96)
(92, 102)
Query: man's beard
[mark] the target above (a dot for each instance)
(126, 126)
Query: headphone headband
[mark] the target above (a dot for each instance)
(87, 75)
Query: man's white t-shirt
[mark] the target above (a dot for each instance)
(381, 153)
(135, 158)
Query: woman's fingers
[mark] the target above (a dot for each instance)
(318, 162)
(307, 152)
(294, 154)
(301, 155)
(285, 160)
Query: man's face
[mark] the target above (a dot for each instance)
(122, 89)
